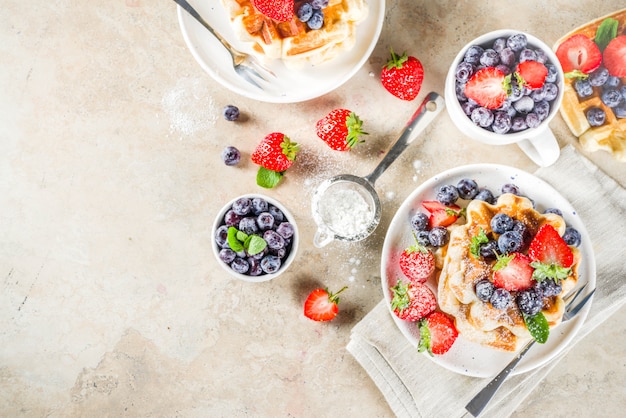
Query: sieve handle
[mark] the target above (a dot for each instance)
(432, 105)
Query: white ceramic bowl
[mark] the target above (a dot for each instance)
(292, 247)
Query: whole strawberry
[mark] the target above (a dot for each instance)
(341, 129)
(402, 76)
(275, 154)
(437, 334)
(281, 10)
(412, 302)
(417, 263)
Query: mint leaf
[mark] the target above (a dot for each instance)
(268, 178)
(605, 32)
(256, 244)
(537, 326)
(503, 261)
(477, 240)
(233, 242)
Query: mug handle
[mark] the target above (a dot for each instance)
(323, 236)
(543, 148)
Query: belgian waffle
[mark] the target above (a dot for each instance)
(293, 42)
(479, 321)
(611, 136)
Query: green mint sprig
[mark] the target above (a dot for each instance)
(239, 241)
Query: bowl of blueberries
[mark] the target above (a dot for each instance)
(255, 238)
(505, 87)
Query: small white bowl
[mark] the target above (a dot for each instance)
(286, 262)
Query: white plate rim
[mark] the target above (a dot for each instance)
(294, 86)
(469, 358)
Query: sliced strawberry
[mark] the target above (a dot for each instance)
(280, 10)
(513, 272)
(417, 263)
(548, 247)
(578, 52)
(615, 56)
(321, 305)
(486, 87)
(437, 334)
(412, 302)
(533, 74)
(440, 214)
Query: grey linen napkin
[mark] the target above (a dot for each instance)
(400, 372)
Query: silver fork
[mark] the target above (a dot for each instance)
(244, 65)
(482, 398)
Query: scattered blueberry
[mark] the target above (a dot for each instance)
(572, 237)
(447, 194)
(599, 77)
(583, 88)
(319, 4)
(305, 11)
(438, 236)
(422, 238)
(231, 156)
(501, 223)
(486, 196)
(556, 211)
(510, 242)
(510, 188)
(596, 116)
(548, 288)
(500, 298)
(484, 290)
(489, 250)
(467, 188)
(611, 97)
(529, 302)
(316, 21)
(231, 113)
(419, 221)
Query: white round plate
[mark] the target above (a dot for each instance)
(466, 357)
(290, 86)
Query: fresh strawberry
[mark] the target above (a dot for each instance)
(533, 74)
(281, 10)
(615, 56)
(578, 53)
(341, 129)
(486, 87)
(321, 305)
(402, 76)
(440, 214)
(552, 257)
(417, 263)
(513, 272)
(412, 302)
(275, 154)
(437, 334)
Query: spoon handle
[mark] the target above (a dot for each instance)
(423, 116)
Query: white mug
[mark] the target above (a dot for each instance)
(539, 143)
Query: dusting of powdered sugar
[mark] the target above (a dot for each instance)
(345, 211)
(190, 107)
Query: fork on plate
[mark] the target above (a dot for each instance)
(482, 398)
(246, 66)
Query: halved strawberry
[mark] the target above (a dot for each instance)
(578, 52)
(533, 74)
(615, 56)
(417, 263)
(513, 272)
(321, 305)
(440, 214)
(281, 10)
(412, 302)
(486, 87)
(437, 334)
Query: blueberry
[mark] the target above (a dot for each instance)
(447, 194)
(270, 264)
(510, 242)
(484, 289)
(464, 71)
(468, 107)
(438, 236)
(516, 92)
(221, 236)
(507, 57)
(599, 77)
(596, 116)
(259, 205)
(255, 267)
(501, 122)
(538, 94)
(583, 88)
(542, 109)
(518, 124)
(482, 117)
(231, 113)
(541, 56)
(551, 91)
(548, 288)
(553, 73)
(489, 58)
(486, 196)
(231, 218)
(248, 225)
(499, 44)
(231, 156)
(501, 223)
(620, 111)
(556, 211)
(510, 188)
(265, 221)
(533, 120)
(274, 239)
(524, 105)
(419, 221)
(612, 82)
(500, 298)
(529, 302)
(227, 255)
(521, 227)
(473, 53)
(611, 97)
(316, 21)
(242, 206)
(517, 42)
(278, 215)
(467, 188)
(489, 250)
(286, 230)
(305, 11)
(319, 4)
(571, 236)
(505, 69)
(422, 238)
(240, 265)
(459, 89)
(527, 54)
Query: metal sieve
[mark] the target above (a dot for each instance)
(329, 198)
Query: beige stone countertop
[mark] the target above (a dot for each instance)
(111, 301)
